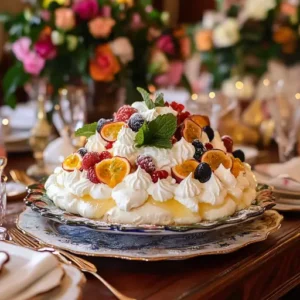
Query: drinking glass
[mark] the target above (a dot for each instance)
(3, 180)
(284, 108)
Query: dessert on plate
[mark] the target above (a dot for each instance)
(153, 163)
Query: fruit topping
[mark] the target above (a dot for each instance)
(203, 172)
(177, 106)
(101, 123)
(91, 175)
(216, 157)
(72, 162)
(210, 132)
(191, 131)
(199, 149)
(200, 120)
(105, 155)
(124, 113)
(109, 145)
(160, 174)
(90, 159)
(135, 122)
(228, 143)
(209, 146)
(239, 154)
(182, 116)
(146, 163)
(82, 151)
(110, 131)
(180, 172)
(112, 170)
(237, 167)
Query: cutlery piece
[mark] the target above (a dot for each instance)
(21, 177)
(81, 264)
(3, 163)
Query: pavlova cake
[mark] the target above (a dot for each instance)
(153, 163)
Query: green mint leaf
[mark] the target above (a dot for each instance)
(162, 143)
(146, 97)
(87, 130)
(159, 100)
(143, 136)
(164, 126)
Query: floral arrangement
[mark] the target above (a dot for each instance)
(69, 41)
(242, 36)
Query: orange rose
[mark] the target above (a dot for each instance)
(104, 66)
(284, 35)
(185, 47)
(65, 18)
(101, 27)
(203, 40)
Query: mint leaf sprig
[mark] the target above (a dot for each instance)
(87, 130)
(158, 101)
(157, 133)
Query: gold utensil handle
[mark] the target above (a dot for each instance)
(111, 288)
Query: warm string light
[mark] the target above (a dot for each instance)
(239, 85)
(297, 96)
(5, 122)
(266, 82)
(194, 97)
(212, 95)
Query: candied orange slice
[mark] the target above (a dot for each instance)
(109, 132)
(112, 170)
(237, 166)
(200, 120)
(191, 131)
(216, 157)
(180, 172)
(72, 162)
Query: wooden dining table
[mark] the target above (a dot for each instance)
(266, 270)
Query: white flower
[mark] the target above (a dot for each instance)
(57, 38)
(211, 18)
(226, 33)
(257, 9)
(122, 48)
(72, 42)
(159, 63)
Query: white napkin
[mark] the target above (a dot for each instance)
(24, 268)
(275, 174)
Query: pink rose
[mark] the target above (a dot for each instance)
(21, 48)
(136, 22)
(106, 11)
(65, 18)
(33, 63)
(101, 27)
(172, 77)
(45, 48)
(86, 9)
(45, 15)
(165, 43)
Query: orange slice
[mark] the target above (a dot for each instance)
(216, 157)
(200, 120)
(237, 166)
(109, 132)
(112, 170)
(191, 131)
(182, 171)
(72, 162)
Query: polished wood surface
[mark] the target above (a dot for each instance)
(265, 270)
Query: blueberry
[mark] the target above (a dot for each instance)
(198, 155)
(203, 172)
(82, 151)
(210, 132)
(199, 149)
(101, 123)
(136, 121)
(239, 154)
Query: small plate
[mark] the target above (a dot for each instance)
(89, 242)
(38, 201)
(15, 191)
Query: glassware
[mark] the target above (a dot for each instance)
(284, 108)
(3, 180)
(2, 146)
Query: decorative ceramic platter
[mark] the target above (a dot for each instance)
(39, 202)
(86, 241)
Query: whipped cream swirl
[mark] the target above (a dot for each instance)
(95, 143)
(182, 151)
(217, 142)
(163, 189)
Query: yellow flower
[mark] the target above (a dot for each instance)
(46, 3)
(128, 2)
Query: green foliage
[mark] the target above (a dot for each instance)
(87, 130)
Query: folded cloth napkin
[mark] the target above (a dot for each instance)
(24, 268)
(285, 176)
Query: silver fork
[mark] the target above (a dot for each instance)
(82, 264)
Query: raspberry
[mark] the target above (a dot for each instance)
(177, 106)
(82, 151)
(91, 175)
(105, 155)
(109, 145)
(90, 159)
(160, 174)
(182, 116)
(135, 122)
(228, 143)
(146, 163)
(209, 146)
(173, 140)
(124, 113)
(167, 104)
